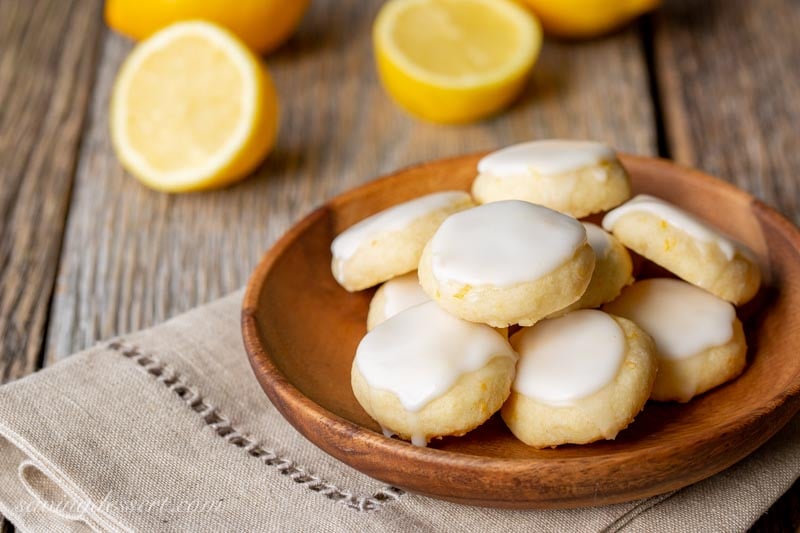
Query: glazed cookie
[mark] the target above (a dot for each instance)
(699, 341)
(397, 294)
(686, 246)
(389, 243)
(612, 270)
(424, 374)
(575, 177)
(509, 262)
(581, 377)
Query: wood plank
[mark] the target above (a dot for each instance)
(729, 76)
(134, 257)
(47, 65)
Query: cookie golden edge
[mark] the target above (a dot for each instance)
(702, 264)
(523, 303)
(578, 193)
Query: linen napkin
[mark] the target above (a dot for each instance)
(168, 430)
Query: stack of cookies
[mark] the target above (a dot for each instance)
(456, 271)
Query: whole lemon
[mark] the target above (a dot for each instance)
(263, 25)
(581, 19)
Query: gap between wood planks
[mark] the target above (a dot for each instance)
(646, 29)
(40, 358)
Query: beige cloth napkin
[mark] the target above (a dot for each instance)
(167, 430)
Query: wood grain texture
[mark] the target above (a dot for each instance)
(729, 76)
(306, 371)
(47, 63)
(133, 257)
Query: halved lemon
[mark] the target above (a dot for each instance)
(455, 61)
(192, 108)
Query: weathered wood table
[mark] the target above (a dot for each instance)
(87, 253)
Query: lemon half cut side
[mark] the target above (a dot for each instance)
(192, 108)
(455, 61)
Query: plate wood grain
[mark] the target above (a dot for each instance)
(301, 331)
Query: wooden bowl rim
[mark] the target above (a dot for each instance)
(294, 404)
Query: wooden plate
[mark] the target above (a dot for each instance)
(301, 331)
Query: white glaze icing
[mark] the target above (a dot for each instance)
(418, 437)
(503, 243)
(419, 440)
(421, 353)
(599, 240)
(676, 217)
(547, 158)
(402, 292)
(682, 319)
(568, 358)
(394, 218)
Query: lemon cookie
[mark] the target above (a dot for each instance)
(509, 262)
(613, 270)
(424, 374)
(686, 246)
(581, 377)
(397, 294)
(389, 243)
(575, 177)
(699, 341)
